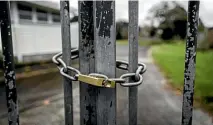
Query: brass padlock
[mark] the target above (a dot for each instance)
(96, 81)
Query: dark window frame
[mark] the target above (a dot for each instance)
(25, 12)
(42, 15)
(56, 17)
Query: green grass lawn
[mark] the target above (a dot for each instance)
(170, 58)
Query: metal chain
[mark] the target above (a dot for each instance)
(64, 70)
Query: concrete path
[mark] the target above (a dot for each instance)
(156, 105)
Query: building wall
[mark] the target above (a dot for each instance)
(36, 41)
(31, 41)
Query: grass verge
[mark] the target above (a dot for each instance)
(170, 58)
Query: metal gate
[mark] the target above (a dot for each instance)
(98, 63)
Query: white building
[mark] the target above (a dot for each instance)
(36, 30)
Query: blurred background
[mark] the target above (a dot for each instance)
(36, 34)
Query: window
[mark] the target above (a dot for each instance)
(56, 17)
(42, 15)
(25, 12)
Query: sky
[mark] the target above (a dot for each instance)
(206, 10)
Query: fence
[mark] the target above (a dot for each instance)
(97, 54)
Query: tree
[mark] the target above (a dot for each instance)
(171, 17)
(122, 29)
(152, 32)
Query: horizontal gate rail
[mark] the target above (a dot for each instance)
(190, 60)
(8, 60)
(66, 47)
(133, 60)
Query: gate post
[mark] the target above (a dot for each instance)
(66, 56)
(104, 28)
(190, 60)
(133, 59)
(8, 60)
(88, 93)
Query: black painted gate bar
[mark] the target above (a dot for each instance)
(104, 37)
(88, 93)
(8, 60)
(190, 60)
(66, 56)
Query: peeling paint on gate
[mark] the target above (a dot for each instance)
(88, 92)
(104, 23)
(190, 60)
(9, 70)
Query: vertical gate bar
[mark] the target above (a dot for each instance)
(190, 61)
(104, 28)
(87, 63)
(8, 60)
(66, 48)
(133, 59)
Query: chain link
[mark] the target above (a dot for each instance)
(130, 75)
(67, 70)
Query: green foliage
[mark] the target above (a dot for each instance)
(171, 17)
(121, 30)
(166, 12)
